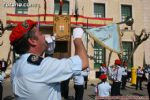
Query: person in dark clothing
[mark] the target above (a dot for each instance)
(124, 75)
(78, 86)
(65, 89)
(139, 78)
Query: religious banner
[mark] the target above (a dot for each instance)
(62, 27)
(107, 36)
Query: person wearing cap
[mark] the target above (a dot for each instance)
(103, 69)
(34, 77)
(116, 78)
(103, 88)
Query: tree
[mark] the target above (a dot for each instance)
(137, 40)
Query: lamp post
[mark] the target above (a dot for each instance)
(128, 21)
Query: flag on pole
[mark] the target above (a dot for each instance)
(76, 7)
(76, 10)
(60, 9)
(61, 2)
(107, 36)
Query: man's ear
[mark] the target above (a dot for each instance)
(32, 41)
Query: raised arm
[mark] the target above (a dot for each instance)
(79, 47)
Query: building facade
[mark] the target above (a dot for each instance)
(92, 13)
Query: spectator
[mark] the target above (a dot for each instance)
(139, 78)
(103, 69)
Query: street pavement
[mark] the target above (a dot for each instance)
(88, 93)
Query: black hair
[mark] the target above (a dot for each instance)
(22, 45)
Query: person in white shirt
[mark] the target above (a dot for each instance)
(34, 77)
(103, 88)
(110, 70)
(78, 86)
(116, 78)
(103, 69)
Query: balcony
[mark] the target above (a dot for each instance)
(47, 20)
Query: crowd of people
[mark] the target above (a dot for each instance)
(114, 78)
(115, 74)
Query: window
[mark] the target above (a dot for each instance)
(99, 55)
(127, 48)
(126, 11)
(99, 10)
(21, 7)
(65, 7)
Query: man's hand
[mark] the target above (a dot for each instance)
(77, 33)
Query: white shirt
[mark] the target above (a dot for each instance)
(103, 89)
(42, 82)
(140, 72)
(124, 69)
(103, 69)
(78, 79)
(117, 74)
(110, 70)
(86, 72)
